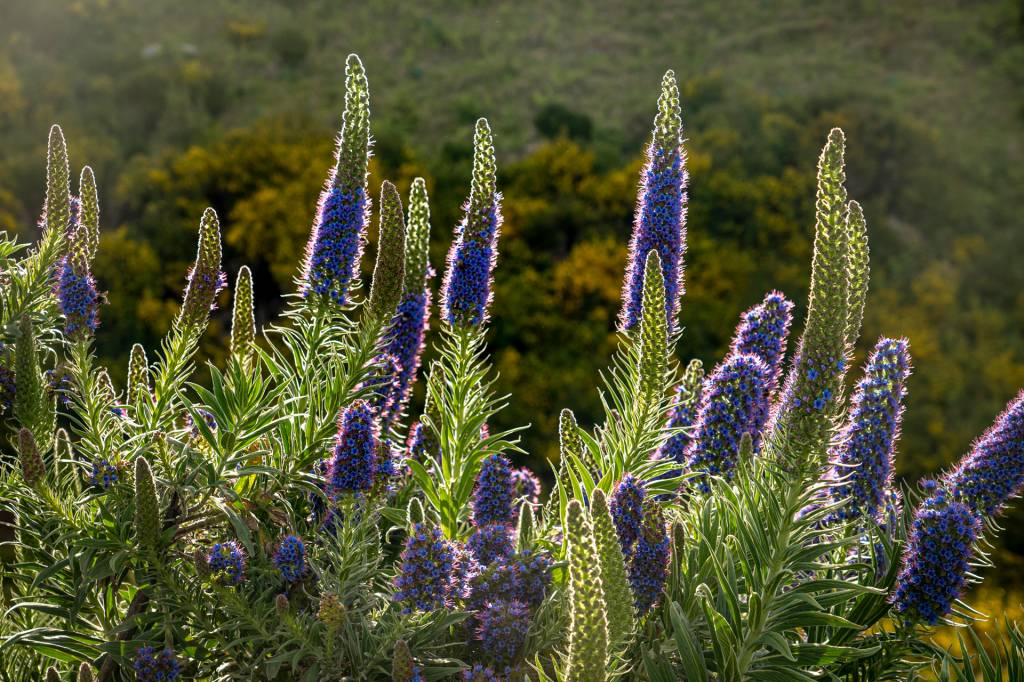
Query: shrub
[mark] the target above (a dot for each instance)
(272, 523)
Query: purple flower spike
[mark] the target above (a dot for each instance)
(502, 631)
(78, 298)
(993, 472)
(627, 512)
(937, 559)
(405, 340)
(763, 332)
(227, 563)
(648, 567)
(352, 467)
(734, 398)
(863, 459)
(492, 499)
(526, 485)
(660, 213)
(336, 245)
(491, 542)
(290, 558)
(467, 289)
(151, 665)
(426, 577)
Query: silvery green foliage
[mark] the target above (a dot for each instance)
(112, 500)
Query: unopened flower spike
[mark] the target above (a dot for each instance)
(147, 508)
(863, 457)
(803, 416)
(33, 470)
(467, 288)
(57, 210)
(243, 322)
(588, 616)
(859, 270)
(205, 280)
(654, 334)
(336, 242)
(660, 223)
(389, 270)
(89, 212)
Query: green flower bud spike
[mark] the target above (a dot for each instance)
(617, 592)
(417, 238)
(243, 321)
(147, 508)
(653, 333)
(354, 147)
(89, 213)
(138, 377)
(205, 280)
(402, 664)
(588, 629)
(857, 236)
(806, 414)
(33, 470)
(52, 675)
(389, 271)
(31, 407)
(58, 182)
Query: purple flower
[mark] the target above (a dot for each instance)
(467, 280)
(937, 559)
(500, 580)
(336, 245)
(993, 472)
(734, 396)
(382, 382)
(8, 388)
(683, 415)
(490, 542)
(78, 298)
(353, 465)
(648, 565)
(227, 563)
(762, 332)
(426, 576)
(208, 418)
(404, 341)
(627, 508)
(862, 460)
(492, 499)
(525, 485)
(534, 570)
(104, 474)
(290, 558)
(151, 665)
(502, 630)
(660, 221)
(58, 383)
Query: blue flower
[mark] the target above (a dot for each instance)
(426, 577)
(227, 563)
(525, 485)
(78, 298)
(502, 630)
(648, 564)
(104, 473)
(862, 460)
(404, 341)
(490, 542)
(993, 472)
(151, 665)
(492, 498)
(733, 400)
(336, 245)
(627, 512)
(763, 332)
(534, 569)
(937, 559)
(352, 467)
(290, 558)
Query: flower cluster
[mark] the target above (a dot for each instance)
(734, 396)
(58, 383)
(494, 494)
(648, 564)
(525, 485)
(290, 558)
(502, 630)
(660, 213)
(993, 472)
(103, 473)
(426, 578)
(336, 245)
(226, 562)
(151, 665)
(405, 339)
(352, 466)
(491, 542)
(467, 280)
(862, 461)
(937, 559)
(627, 507)
(683, 415)
(205, 278)
(763, 332)
(78, 298)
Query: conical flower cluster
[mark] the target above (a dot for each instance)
(352, 467)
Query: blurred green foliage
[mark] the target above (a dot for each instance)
(183, 105)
